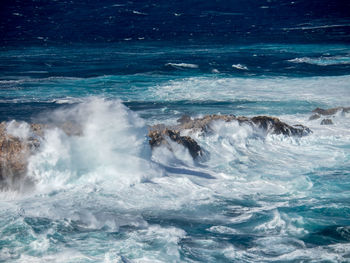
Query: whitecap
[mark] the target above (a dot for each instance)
(322, 61)
(182, 65)
(240, 66)
(139, 13)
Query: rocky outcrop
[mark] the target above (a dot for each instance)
(332, 111)
(275, 126)
(326, 122)
(160, 133)
(159, 137)
(14, 153)
(15, 150)
(318, 112)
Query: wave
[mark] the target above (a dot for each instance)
(107, 186)
(182, 65)
(282, 89)
(323, 61)
(316, 27)
(240, 66)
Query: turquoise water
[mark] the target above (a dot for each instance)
(106, 197)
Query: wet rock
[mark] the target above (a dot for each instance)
(159, 133)
(314, 117)
(331, 111)
(159, 137)
(202, 124)
(184, 118)
(326, 122)
(269, 124)
(14, 153)
(15, 150)
(275, 126)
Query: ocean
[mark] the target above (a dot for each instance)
(116, 68)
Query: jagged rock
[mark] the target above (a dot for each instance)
(331, 111)
(275, 126)
(159, 137)
(326, 122)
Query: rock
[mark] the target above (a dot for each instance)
(202, 124)
(269, 124)
(331, 111)
(314, 117)
(158, 137)
(14, 153)
(326, 122)
(275, 126)
(158, 133)
(184, 118)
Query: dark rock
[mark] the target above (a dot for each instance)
(326, 122)
(275, 126)
(314, 117)
(158, 137)
(158, 133)
(331, 111)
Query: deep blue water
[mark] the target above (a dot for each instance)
(116, 67)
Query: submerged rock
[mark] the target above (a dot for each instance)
(326, 122)
(314, 117)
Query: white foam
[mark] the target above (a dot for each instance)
(18, 129)
(223, 230)
(182, 65)
(240, 66)
(323, 61)
(316, 27)
(113, 145)
(332, 91)
(138, 13)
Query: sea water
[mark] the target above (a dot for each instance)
(105, 196)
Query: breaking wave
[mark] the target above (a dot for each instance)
(105, 184)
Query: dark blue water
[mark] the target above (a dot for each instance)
(235, 21)
(116, 67)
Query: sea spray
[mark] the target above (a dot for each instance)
(112, 147)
